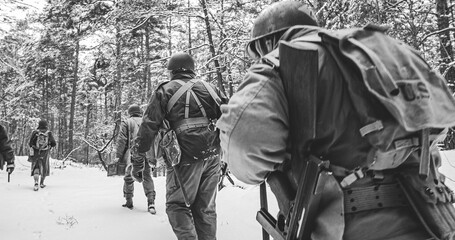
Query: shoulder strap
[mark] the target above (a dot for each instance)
(179, 93)
(212, 92)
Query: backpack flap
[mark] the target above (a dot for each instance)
(416, 95)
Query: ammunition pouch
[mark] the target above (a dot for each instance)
(170, 145)
(432, 201)
(116, 169)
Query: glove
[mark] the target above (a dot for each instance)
(138, 163)
(10, 168)
(152, 167)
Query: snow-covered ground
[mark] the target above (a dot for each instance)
(80, 202)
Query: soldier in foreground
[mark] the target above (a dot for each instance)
(359, 200)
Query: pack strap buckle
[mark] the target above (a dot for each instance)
(357, 173)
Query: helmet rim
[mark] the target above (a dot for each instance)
(278, 17)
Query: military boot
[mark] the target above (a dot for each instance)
(129, 203)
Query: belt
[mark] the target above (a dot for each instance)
(189, 123)
(379, 196)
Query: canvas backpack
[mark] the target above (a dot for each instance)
(404, 107)
(42, 140)
(167, 142)
(401, 102)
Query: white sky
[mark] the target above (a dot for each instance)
(13, 10)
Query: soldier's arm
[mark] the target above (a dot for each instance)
(32, 139)
(5, 146)
(122, 139)
(254, 126)
(52, 140)
(151, 122)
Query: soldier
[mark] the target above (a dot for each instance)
(255, 135)
(6, 152)
(190, 106)
(41, 142)
(127, 134)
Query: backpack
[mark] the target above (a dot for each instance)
(42, 140)
(404, 107)
(401, 102)
(168, 144)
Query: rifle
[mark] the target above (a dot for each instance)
(298, 202)
(298, 208)
(179, 181)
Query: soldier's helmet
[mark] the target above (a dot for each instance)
(134, 110)
(273, 21)
(181, 61)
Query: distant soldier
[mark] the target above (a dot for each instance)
(41, 142)
(127, 134)
(6, 152)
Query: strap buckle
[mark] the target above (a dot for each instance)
(212, 125)
(357, 173)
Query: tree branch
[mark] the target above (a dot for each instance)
(437, 32)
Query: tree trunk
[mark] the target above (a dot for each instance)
(169, 32)
(147, 82)
(87, 127)
(211, 46)
(189, 29)
(118, 75)
(445, 48)
(73, 97)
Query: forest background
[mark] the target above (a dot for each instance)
(80, 63)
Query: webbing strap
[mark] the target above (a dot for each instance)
(424, 168)
(198, 103)
(372, 127)
(190, 123)
(373, 197)
(212, 92)
(187, 104)
(179, 93)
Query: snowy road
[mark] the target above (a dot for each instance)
(81, 203)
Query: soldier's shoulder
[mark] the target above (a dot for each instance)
(162, 83)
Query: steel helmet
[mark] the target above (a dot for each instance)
(134, 110)
(276, 18)
(181, 60)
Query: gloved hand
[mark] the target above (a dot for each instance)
(138, 163)
(10, 168)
